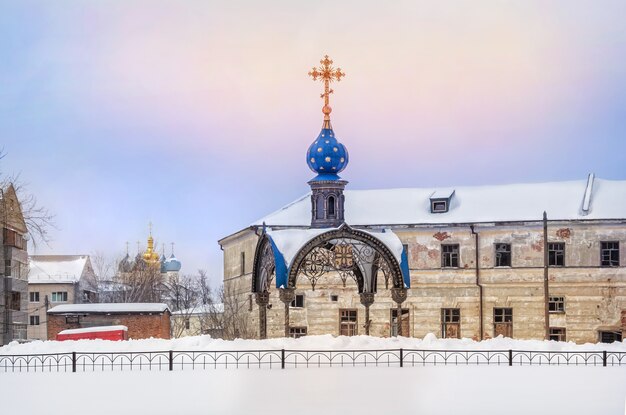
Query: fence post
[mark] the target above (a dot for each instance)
(604, 358)
(282, 358)
(510, 357)
(401, 358)
(73, 361)
(171, 360)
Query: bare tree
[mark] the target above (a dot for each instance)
(236, 322)
(142, 284)
(103, 280)
(37, 218)
(205, 292)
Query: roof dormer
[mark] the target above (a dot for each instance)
(440, 200)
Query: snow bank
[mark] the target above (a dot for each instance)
(326, 342)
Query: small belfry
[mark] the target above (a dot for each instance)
(327, 157)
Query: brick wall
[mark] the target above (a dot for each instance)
(140, 326)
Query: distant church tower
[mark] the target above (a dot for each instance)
(168, 267)
(327, 157)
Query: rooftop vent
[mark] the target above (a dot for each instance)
(440, 200)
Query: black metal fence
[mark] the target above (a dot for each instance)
(285, 359)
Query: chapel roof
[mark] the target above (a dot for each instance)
(589, 199)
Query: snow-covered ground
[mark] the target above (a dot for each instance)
(326, 342)
(429, 390)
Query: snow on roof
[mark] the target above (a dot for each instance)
(442, 194)
(500, 203)
(50, 269)
(110, 308)
(201, 309)
(93, 329)
(290, 241)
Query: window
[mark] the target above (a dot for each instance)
(557, 334)
(59, 297)
(609, 254)
(556, 305)
(187, 324)
(298, 301)
(14, 239)
(34, 296)
(347, 322)
(242, 264)
(503, 315)
(450, 256)
(15, 301)
(319, 207)
(440, 200)
(451, 323)
(334, 298)
(404, 320)
(439, 206)
(34, 320)
(331, 207)
(556, 254)
(610, 336)
(503, 255)
(503, 322)
(249, 302)
(297, 332)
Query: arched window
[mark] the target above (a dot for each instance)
(319, 207)
(330, 211)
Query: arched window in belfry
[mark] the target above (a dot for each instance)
(330, 210)
(319, 207)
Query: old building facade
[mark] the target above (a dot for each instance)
(13, 268)
(529, 261)
(55, 280)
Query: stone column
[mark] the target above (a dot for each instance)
(367, 299)
(262, 300)
(287, 295)
(399, 296)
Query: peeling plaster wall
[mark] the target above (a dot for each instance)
(595, 297)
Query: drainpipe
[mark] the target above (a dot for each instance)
(545, 277)
(480, 287)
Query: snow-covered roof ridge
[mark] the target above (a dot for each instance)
(471, 204)
(201, 309)
(51, 269)
(110, 308)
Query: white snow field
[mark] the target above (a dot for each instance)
(440, 389)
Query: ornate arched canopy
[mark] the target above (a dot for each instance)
(348, 252)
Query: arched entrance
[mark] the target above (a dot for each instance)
(347, 252)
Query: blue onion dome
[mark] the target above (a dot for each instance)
(172, 264)
(162, 260)
(327, 156)
(125, 264)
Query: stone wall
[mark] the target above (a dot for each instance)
(595, 296)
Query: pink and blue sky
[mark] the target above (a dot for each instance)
(196, 115)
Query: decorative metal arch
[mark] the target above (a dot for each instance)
(263, 268)
(338, 250)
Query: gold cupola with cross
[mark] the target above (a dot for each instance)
(150, 256)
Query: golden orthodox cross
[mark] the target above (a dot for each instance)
(327, 74)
